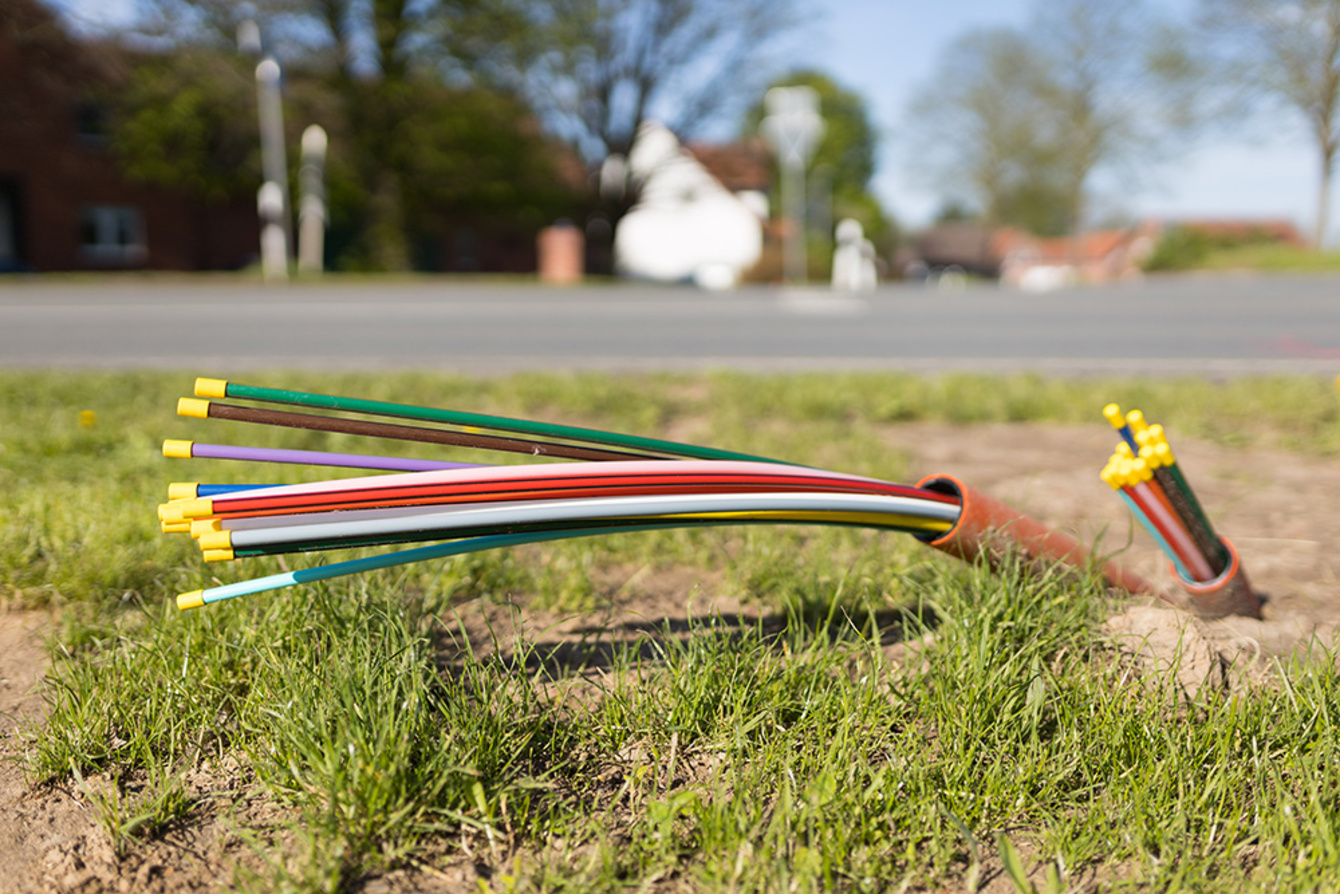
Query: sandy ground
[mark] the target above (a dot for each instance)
(1278, 509)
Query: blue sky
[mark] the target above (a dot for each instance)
(885, 48)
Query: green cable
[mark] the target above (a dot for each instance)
(1220, 554)
(481, 420)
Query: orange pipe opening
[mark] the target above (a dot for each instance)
(1228, 594)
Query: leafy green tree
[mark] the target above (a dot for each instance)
(187, 121)
(416, 146)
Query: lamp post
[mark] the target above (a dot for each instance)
(274, 165)
(312, 205)
(793, 128)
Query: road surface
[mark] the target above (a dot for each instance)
(1217, 326)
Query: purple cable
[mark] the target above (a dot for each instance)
(318, 458)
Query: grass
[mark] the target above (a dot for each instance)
(890, 720)
(1273, 258)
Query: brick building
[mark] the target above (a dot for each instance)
(64, 205)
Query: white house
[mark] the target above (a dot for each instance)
(686, 226)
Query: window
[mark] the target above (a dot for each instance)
(9, 243)
(91, 122)
(111, 234)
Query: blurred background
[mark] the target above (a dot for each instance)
(1038, 143)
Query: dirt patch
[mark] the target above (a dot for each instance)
(1277, 509)
(50, 837)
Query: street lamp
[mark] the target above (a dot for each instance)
(793, 128)
(274, 165)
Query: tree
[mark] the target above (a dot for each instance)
(1282, 54)
(414, 145)
(1106, 108)
(980, 128)
(187, 121)
(598, 69)
(845, 158)
(1022, 120)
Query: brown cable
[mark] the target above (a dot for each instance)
(414, 433)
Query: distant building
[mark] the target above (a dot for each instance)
(1283, 232)
(1033, 263)
(64, 205)
(689, 226)
(1096, 256)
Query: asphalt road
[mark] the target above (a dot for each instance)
(1203, 325)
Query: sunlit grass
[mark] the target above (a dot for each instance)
(889, 719)
(1273, 258)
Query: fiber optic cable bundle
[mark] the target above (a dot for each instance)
(613, 482)
(1145, 473)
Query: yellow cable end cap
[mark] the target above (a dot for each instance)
(211, 387)
(196, 508)
(218, 555)
(196, 409)
(1113, 414)
(175, 528)
(193, 599)
(182, 490)
(175, 449)
(170, 513)
(204, 526)
(216, 540)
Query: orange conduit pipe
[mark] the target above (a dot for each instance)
(1228, 594)
(989, 527)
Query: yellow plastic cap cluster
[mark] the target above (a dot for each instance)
(1123, 471)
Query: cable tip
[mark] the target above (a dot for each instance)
(211, 387)
(182, 490)
(204, 525)
(178, 449)
(1136, 420)
(218, 555)
(189, 406)
(198, 508)
(210, 540)
(193, 599)
(1113, 414)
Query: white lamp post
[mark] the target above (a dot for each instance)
(312, 205)
(274, 165)
(793, 128)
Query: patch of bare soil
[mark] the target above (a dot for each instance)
(1277, 509)
(50, 838)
